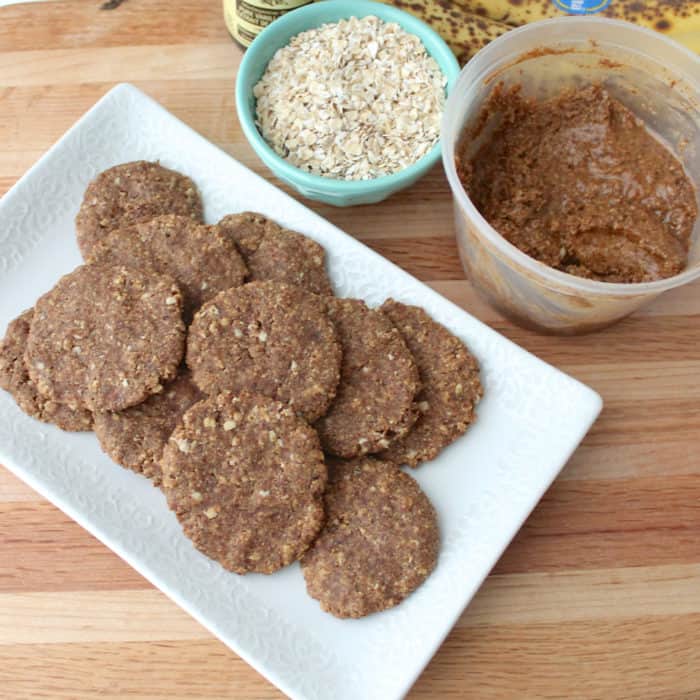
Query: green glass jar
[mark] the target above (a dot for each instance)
(245, 19)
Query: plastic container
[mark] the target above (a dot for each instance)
(653, 76)
(323, 189)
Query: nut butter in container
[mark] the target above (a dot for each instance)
(245, 19)
(658, 81)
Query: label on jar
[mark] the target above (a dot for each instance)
(245, 19)
(582, 7)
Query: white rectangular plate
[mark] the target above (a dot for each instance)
(531, 419)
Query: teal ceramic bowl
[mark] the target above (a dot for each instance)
(341, 193)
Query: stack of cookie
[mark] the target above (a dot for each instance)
(215, 360)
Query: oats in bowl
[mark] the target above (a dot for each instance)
(351, 100)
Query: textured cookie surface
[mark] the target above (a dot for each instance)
(135, 438)
(275, 253)
(379, 543)
(247, 229)
(14, 378)
(201, 260)
(269, 338)
(378, 383)
(245, 477)
(131, 192)
(105, 337)
(450, 385)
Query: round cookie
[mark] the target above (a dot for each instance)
(288, 256)
(201, 260)
(378, 383)
(14, 378)
(269, 338)
(247, 230)
(451, 387)
(245, 477)
(135, 438)
(379, 543)
(274, 253)
(105, 337)
(131, 192)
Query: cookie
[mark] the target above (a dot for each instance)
(14, 379)
(133, 192)
(247, 230)
(378, 382)
(135, 438)
(379, 543)
(275, 253)
(201, 260)
(245, 477)
(451, 388)
(269, 338)
(105, 337)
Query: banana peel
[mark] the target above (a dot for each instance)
(468, 25)
(464, 32)
(667, 16)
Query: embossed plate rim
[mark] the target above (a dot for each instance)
(483, 486)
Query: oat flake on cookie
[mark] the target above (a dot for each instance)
(352, 100)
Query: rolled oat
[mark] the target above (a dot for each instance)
(352, 100)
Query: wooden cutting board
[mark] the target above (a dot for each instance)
(599, 594)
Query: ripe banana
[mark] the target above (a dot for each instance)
(464, 32)
(468, 25)
(668, 16)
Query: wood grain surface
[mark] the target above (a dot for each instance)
(599, 594)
